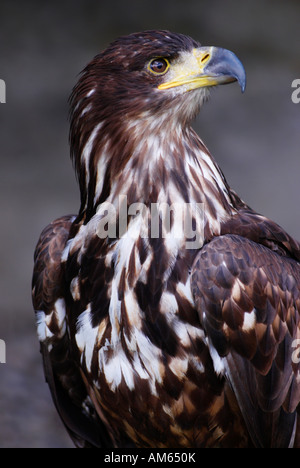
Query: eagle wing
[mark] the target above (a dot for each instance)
(62, 375)
(247, 293)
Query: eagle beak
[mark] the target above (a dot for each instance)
(207, 66)
(222, 67)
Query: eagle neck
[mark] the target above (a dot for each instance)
(146, 164)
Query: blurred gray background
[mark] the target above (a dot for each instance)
(43, 46)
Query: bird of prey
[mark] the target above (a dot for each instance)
(164, 336)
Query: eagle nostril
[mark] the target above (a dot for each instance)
(205, 58)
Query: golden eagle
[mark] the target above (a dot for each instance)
(164, 336)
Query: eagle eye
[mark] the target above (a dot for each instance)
(158, 66)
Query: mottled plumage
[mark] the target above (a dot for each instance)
(147, 341)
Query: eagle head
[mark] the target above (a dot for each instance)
(152, 80)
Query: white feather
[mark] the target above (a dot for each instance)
(86, 336)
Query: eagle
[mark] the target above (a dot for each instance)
(156, 333)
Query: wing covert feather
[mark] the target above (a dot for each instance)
(68, 391)
(248, 300)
